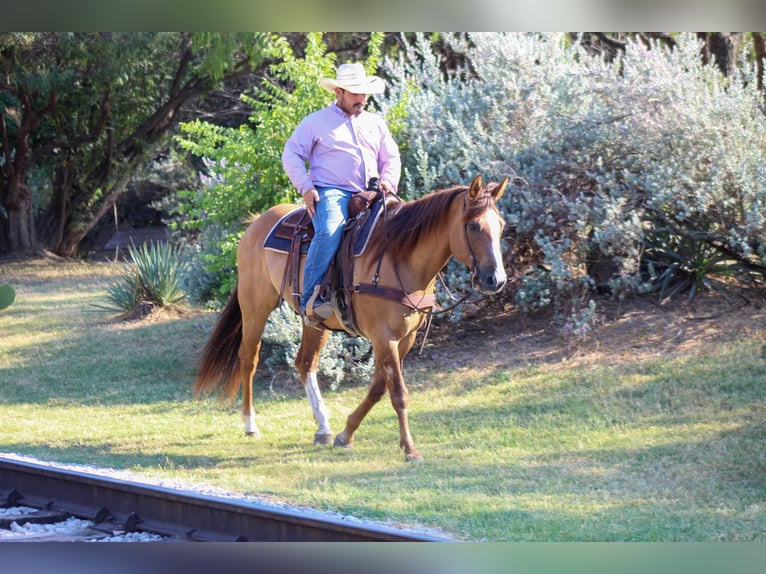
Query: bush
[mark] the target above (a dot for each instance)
(675, 264)
(344, 358)
(7, 295)
(202, 279)
(600, 153)
(603, 157)
(151, 280)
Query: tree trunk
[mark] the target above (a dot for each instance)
(721, 46)
(70, 243)
(17, 228)
(51, 224)
(760, 54)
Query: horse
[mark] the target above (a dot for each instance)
(404, 255)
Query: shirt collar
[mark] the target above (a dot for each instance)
(334, 105)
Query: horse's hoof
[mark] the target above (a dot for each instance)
(413, 458)
(340, 441)
(322, 438)
(254, 434)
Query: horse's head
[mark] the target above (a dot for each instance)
(482, 229)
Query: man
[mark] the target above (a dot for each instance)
(343, 146)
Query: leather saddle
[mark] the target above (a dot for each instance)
(292, 235)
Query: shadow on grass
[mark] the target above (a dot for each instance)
(108, 364)
(105, 456)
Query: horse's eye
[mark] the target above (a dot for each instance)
(473, 226)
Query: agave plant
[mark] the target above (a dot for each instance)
(152, 279)
(677, 264)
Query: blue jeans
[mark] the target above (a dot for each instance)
(330, 217)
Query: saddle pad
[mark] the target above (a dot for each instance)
(368, 224)
(280, 236)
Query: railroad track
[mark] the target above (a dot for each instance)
(118, 505)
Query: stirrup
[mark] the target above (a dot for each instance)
(317, 309)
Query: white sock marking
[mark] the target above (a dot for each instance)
(317, 404)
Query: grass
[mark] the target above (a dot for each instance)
(667, 449)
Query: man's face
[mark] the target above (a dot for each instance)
(352, 104)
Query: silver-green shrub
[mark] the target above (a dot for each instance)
(601, 155)
(344, 359)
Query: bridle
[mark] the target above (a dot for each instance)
(474, 260)
(473, 269)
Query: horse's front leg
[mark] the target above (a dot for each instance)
(382, 351)
(306, 362)
(388, 375)
(376, 391)
(400, 399)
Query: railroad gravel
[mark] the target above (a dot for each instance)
(72, 529)
(219, 493)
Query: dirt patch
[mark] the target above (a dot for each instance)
(150, 313)
(636, 329)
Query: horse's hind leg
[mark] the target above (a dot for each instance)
(252, 331)
(306, 362)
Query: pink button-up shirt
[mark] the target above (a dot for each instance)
(341, 151)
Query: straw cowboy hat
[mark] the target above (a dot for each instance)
(353, 78)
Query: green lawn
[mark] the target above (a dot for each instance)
(666, 449)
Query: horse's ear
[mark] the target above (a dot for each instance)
(476, 186)
(498, 191)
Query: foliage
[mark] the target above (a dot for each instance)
(152, 280)
(82, 129)
(676, 264)
(7, 295)
(201, 285)
(344, 359)
(598, 151)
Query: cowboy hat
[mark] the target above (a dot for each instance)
(353, 78)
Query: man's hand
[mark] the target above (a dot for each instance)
(385, 187)
(311, 197)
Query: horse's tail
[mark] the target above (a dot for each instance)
(219, 363)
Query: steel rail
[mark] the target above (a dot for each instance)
(177, 514)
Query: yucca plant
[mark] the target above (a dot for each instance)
(158, 269)
(676, 265)
(151, 280)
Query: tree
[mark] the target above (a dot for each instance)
(82, 111)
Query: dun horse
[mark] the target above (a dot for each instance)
(404, 254)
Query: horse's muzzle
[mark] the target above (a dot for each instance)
(493, 281)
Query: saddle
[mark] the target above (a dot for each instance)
(293, 234)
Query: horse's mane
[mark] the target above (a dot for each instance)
(407, 222)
